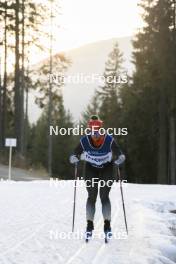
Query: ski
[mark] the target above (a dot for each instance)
(88, 236)
(108, 236)
(87, 240)
(106, 240)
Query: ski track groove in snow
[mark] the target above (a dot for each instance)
(30, 210)
(98, 256)
(77, 253)
(22, 234)
(22, 241)
(97, 251)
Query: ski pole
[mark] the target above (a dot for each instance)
(123, 203)
(74, 202)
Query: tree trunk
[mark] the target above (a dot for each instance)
(26, 119)
(172, 147)
(162, 146)
(3, 101)
(1, 141)
(172, 119)
(22, 86)
(50, 143)
(17, 100)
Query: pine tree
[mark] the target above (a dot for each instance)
(22, 26)
(62, 144)
(109, 101)
(148, 100)
(92, 109)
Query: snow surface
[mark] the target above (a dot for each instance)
(33, 215)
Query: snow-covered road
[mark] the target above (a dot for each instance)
(36, 218)
(19, 174)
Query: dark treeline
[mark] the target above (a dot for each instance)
(146, 105)
(23, 36)
(20, 24)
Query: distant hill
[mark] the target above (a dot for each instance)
(86, 60)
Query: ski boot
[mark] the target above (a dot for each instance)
(107, 230)
(89, 229)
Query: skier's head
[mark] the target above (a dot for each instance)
(95, 124)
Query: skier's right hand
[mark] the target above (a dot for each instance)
(73, 159)
(120, 160)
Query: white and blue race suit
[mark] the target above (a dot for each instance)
(97, 156)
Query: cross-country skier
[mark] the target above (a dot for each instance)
(100, 153)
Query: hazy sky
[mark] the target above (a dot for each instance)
(85, 21)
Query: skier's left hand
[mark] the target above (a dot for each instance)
(73, 159)
(120, 160)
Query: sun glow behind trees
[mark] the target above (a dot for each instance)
(80, 22)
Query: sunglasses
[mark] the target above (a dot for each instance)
(95, 134)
